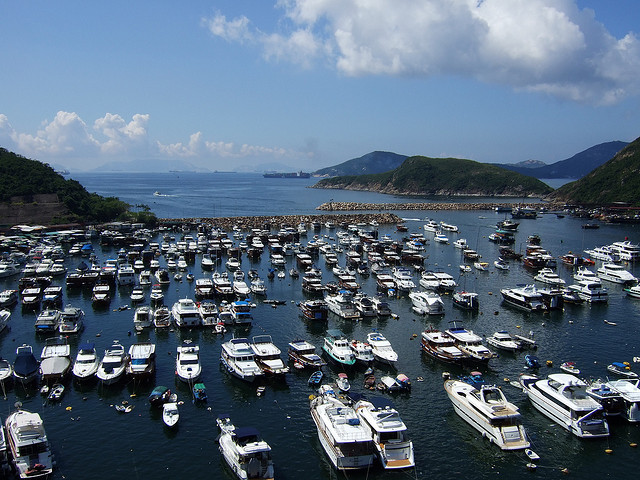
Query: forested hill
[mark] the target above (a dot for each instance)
(374, 162)
(442, 176)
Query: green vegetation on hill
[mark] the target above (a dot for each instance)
(374, 162)
(443, 176)
(618, 180)
(22, 177)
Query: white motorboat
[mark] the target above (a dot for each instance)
(526, 298)
(101, 294)
(382, 349)
(267, 356)
(239, 360)
(142, 360)
(241, 312)
(440, 238)
(4, 319)
(622, 369)
(346, 440)
(461, 243)
(623, 394)
(583, 273)
(52, 296)
(627, 251)
(590, 291)
(170, 414)
(142, 318)
(47, 321)
(303, 355)
(157, 295)
(162, 317)
(362, 351)
(6, 372)
(487, 410)
(137, 295)
(504, 341)
(563, 398)
(481, 266)
(631, 291)
(208, 313)
(145, 278)
(449, 227)
(395, 449)
(55, 359)
(470, 344)
(437, 281)
(403, 279)
(222, 285)
(244, 450)
(185, 313)
(113, 364)
(8, 297)
(241, 289)
(258, 286)
(337, 347)
(548, 276)
(126, 275)
(87, 362)
(204, 288)
(442, 347)
(500, 264)
(616, 274)
(341, 303)
(30, 450)
(364, 305)
(604, 254)
(427, 303)
(431, 226)
(188, 367)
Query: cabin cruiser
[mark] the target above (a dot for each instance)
(303, 355)
(431, 226)
(563, 398)
(241, 289)
(314, 309)
(616, 274)
(208, 313)
(526, 298)
(31, 297)
(241, 313)
(188, 368)
(87, 362)
(504, 341)
(137, 295)
(626, 250)
(244, 450)
(8, 298)
(385, 282)
(258, 286)
(126, 275)
(157, 295)
(337, 347)
(142, 362)
(162, 317)
(55, 359)
(364, 305)
(341, 303)
(395, 449)
(461, 243)
(362, 351)
(449, 227)
(442, 347)
(142, 318)
(604, 254)
(30, 450)
(113, 364)
(584, 273)
(590, 291)
(52, 296)
(466, 300)
(548, 276)
(185, 313)
(618, 397)
(145, 278)
(440, 237)
(47, 321)
(101, 294)
(427, 303)
(487, 410)
(239, 360)
(471, 344)
(267, 356)
(346, 440)
(403, 279)
(382, 308)
(382, 349)
(222, 285)
(204, 288)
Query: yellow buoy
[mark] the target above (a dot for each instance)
(633, 444)
(69, 409)
(608, 450)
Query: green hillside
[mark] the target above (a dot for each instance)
(443, 176)
(618, 180)
(374, 162)
(24, 178)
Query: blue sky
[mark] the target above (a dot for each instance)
(239, 85)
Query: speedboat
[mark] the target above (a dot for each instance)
(170, 414)
(488, 411)
(395, 449)
(142, 357)
(563, 398)
(239, 360)
(337, 347)
(504, 341)
(113, 364)
(244, 450)
(471, 344)
(25, 366)
(548, 276)
(427, 303)
(622, 369)
(342, 382)
(590, 291)
(526, 298)
(441, 347)
(481, 266)
(87, 362)
(449, 227)
(570, 367)
(30, 450)
(55, 359)
(461, 243)
(188, 368)
(382, 350)
(346, 440)
(4, 319)
(616, 274)
(267, 356)
(304, 354)
(185, 313)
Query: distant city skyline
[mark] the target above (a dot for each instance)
(304, 84)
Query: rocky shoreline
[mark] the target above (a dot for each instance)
(279, 221)
(353, 206)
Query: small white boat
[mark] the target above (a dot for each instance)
(244, 450)
(113, 364)
(570, 367)
(170, 414)
(500, 264)
(87, 362)
(482, 266)
(633, 291)
(440, 238)
(188, 368)
(504, 341)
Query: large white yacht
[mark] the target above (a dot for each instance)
(590, 291)
(605, 254)
(346, 440)
(29, 446)
(616, 274)
(488, 411)
(342, 304)
(185, 313)
(427, 303)
(188, 367)
(584, 273)
(381, 348)
(395, 449)
(526, 298)
(403, 278)
(548, 276)
(267, 356)
(238, 358)
(563, 398)
(244, 450)
(626, 250)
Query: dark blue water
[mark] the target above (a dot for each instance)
(92, 440)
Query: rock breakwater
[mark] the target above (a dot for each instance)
(353, 206)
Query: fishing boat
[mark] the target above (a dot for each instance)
(199, 391)
(487, 410)
(30, 450)
(170, 414)
(86, 363)
(188, 367)
(248, 456)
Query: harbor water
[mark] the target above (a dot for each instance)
(90, 439)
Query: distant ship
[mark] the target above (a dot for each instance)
(287, 175)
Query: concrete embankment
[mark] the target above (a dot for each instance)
(278, 221)
(353, 206)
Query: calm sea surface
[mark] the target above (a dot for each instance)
(91, 440)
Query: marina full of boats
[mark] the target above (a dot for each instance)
(380, 314)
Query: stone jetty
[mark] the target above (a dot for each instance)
(279, 221)
(353, 206)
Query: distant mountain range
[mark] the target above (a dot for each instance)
(615, 181)
(575, 167)
(374, 162)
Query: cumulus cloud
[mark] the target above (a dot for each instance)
(122, 136)
(549, 46)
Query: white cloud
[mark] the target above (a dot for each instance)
(547, 46)
(122, 136)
